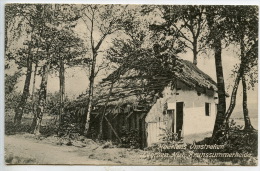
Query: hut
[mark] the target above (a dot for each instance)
(184, 103)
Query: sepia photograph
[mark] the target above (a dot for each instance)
(131, 85)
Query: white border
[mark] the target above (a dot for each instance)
(108, 168)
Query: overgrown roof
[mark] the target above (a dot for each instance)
(193, 76)
(133, 85)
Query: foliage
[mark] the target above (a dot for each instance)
(130, 138)
(146, 51)
(10, 82)
(12, 100)
(71, 121)
(11, 128)
(66, 46)
(169, 136)
(170, 142)
(183, 25)
(11, 96)
(243, 30)
(44, 31)
(52, 104)
(236, 139)
(68, 128)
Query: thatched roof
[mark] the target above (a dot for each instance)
(133, 85)
(126, 90)
(193, 76)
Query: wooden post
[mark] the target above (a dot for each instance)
(113, 129)
(110, 134)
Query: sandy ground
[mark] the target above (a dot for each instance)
(25, 149)
(42, 153)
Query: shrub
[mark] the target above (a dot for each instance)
(130, 138)
(235, 139)
(11, 129)
(169, 136)
(171, 143)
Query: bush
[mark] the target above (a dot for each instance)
(11, 100)
(237, 139)
(171, 143)
(130, 138)
(169, 136)
(11, 129)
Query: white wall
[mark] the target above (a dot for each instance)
(194, 122)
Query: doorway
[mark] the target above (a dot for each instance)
(179, 118)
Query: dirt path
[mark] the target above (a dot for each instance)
(32, 152)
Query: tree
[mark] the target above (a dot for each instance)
(248, 20)
(45, 41)
(68, 46)
(216, 30)
(22, 20)
(231, 24)
(247, 67)
(10, 86)
(250, 63)
(36, 125)
(59, 46)
(103, 20)
(242, 28)
(185, 22)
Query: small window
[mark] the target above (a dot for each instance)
(207, 109)
(170, 112)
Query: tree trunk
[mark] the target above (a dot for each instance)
(94, 50)
(33, 88)
(240, 73)
(62, 90)
(248, 125)
(195, 52)
(221, 88)
(34, 79)
(90, 92)
(234, 95)
(36, 124)
(26, 91)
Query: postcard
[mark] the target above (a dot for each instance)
(121, 84)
